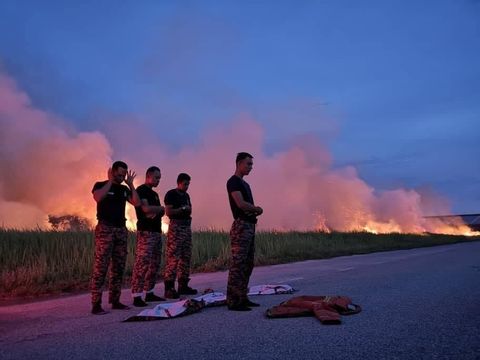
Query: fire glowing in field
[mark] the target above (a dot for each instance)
(379, 228)
(132, 220)
(448, 225)
(164, 225)
(452, 225)
(132, 225)
(299, 187)
(382, 228)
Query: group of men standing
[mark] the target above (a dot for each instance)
(111, 236)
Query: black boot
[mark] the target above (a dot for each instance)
(239, 307)
(184, 289)
(152, 297)
(250, 303)
(138, 302)
(170, 292)
(117, 305)
(97, 309)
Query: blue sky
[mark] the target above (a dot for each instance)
(391, 87)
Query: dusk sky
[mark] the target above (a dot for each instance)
(391, 88)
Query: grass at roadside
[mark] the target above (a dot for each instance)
(34, 263)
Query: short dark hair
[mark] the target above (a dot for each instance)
(152, 169)
(183, 177)
(119, 164)
(242, 155)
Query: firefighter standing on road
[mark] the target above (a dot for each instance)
(111, 234)
(242, 235)
(179, 239)
(148, 249)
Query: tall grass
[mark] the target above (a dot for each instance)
(36, 262)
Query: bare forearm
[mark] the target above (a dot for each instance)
(250, 209)
(153, 209)
(135, 199)
(247, 207)
(180, 211)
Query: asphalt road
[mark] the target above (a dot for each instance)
(417, 304)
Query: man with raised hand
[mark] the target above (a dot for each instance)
(242, 234)
(111, 234)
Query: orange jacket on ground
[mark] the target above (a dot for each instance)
(327, 309)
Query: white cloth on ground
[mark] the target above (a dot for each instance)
(212, 298)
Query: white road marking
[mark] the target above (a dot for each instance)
(346, 269)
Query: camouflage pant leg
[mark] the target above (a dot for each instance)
(106, 243)
(242, 237)
(171, 260)
(250, 258)
(119, 258)
(155, 260)
(185, 256)
(179, 251)
(143, 254)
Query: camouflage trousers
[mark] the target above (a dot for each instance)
(110, 249)
(242, 238)
(148, 255)
(178, 250)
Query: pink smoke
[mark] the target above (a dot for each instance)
(46, 167)
(49, 168)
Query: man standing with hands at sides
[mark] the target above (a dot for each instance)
(242, 235)
(179, 239)
(148, 250)
(111, 234)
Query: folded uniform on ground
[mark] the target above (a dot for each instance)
(208, 299)
(270, 289)
(327, 309)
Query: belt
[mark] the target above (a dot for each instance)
(182, 221)
(108, 223)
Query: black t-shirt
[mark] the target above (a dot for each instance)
(143, 222)
(177, 199)
(111, 209)
(236, 183)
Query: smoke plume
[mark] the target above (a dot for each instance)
(47, 167)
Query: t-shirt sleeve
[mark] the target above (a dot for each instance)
(169, 200)
(142, 194)
(234, 184)
(98, 185)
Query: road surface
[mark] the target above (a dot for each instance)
(417, 304)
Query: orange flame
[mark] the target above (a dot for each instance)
(346, 202)
(365, 222)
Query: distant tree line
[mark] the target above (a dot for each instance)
(69, 223)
